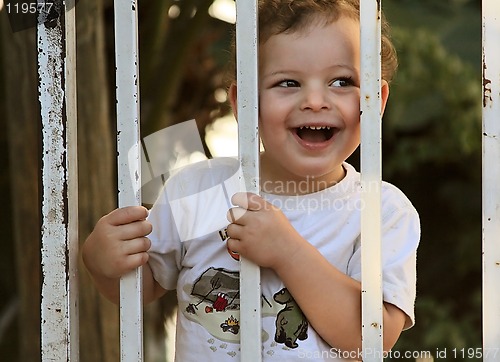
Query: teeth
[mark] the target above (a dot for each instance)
(316, 128)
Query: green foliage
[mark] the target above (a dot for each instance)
(432, 150)
(457, 24)
(434, 112)
(444, 331)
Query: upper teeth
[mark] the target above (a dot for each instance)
(316, 127)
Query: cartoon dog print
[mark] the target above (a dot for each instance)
(291, 324)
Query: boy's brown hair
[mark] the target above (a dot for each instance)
(289, 16)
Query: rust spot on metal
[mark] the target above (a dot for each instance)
(486, 86)
(486, 91)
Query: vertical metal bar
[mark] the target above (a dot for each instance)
(248, 138)
(129, 169)
(72, 141)
(59, 229)
(371, 175)
(491, 177)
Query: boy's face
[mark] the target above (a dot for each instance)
(309, 101)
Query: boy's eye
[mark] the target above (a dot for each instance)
(342, 82)
(288, 83)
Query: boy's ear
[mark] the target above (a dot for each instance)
(384, 95)
(232, 93)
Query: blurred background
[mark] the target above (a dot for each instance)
(431, 150)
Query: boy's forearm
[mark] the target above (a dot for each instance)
(151, 289)
(110, 288)
(330, 300)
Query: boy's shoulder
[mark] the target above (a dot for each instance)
(392, 196)
(396, 204)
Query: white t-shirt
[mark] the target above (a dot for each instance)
(189, 254)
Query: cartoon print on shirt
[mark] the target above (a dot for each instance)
(218, 287)
(215, 305)
(291, 324)
(231, 324)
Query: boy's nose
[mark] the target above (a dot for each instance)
(315, 99)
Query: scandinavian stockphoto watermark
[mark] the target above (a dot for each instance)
(164, 153)
(422, 355)
(360, 355)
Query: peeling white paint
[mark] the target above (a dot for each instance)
(58, 237)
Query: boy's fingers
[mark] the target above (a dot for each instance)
(137, 260)
(133, 230)
(126, 215)
(234, 232)
(248, 200)
(235, 213)
(233, 245)
(136, 246)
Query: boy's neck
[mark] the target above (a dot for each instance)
(273, 181)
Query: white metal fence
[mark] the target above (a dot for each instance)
(491, 179)
(59, 234)
(371, 174)
(59, 220)
(129, 163)
(248, 145)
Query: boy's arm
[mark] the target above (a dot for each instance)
(262, 233)
(334, 312)
(118, 245)
(110, 288)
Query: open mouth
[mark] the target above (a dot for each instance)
(315, 134)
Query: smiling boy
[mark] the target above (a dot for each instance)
(304, 229)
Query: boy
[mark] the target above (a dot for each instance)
(304, 229)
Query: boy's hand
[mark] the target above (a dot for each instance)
(259, 231)
(118, 243)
